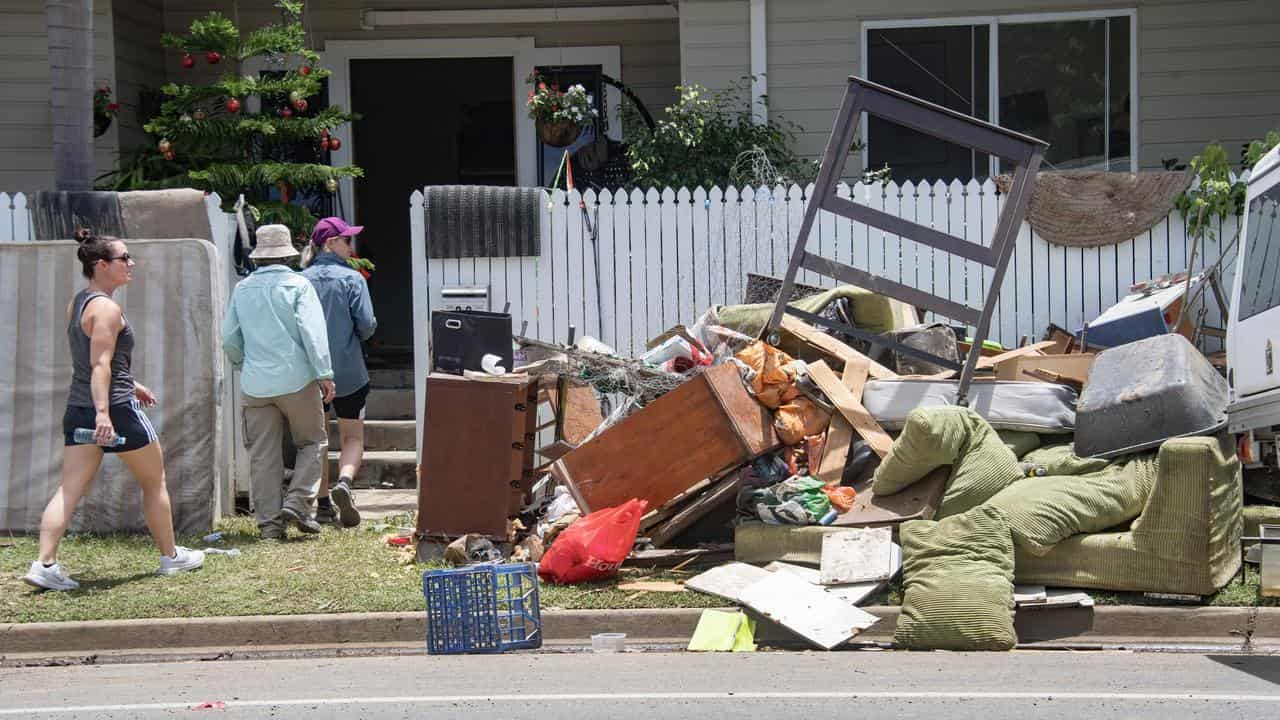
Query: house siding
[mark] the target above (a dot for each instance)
(139, 62)
(26, 126)
(1207, 69)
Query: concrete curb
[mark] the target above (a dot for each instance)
(1107, 626)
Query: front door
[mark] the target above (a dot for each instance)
(423, 122)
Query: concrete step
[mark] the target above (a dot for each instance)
(381, 435)
(391, 377)
(389, 404)
(377, 504)
(382, 469)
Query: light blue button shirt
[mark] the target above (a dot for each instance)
(275, 332)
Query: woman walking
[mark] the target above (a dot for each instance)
(105, 400)
(348, 313)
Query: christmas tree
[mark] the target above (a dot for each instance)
(208, 138)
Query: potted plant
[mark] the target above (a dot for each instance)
(104, 108)
(559, 115)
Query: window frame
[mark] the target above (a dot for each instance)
(993, 22)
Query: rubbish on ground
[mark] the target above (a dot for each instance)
(718, 494)
(1177, 393)
(1071, 369)
(594, 547)
(723, 631)
(1269, 579)
(856, 556)
(473, 477)
(229, 552)
(609, 642)
(728, 581)
(1038, 407)
(667, 586)
(1143, 314)
(798, 500)
(937, 339)
(471, 548)
(461, 338)
(841, 497)
(482, 608)
(700, 429)
(562, 504)
(853, 593)
(836, 457)
(1174, 598)
(216, 705)
(678, 557)
(823, 345)
(400, 540)
(808, 610)
(213, 537)
(530, 549)
(851, 408)
(1029, 595)
(1057, 598)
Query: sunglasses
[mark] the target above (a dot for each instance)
(125, 257)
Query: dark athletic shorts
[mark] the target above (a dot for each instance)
(350, 407)
(130, 423)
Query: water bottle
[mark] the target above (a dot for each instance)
(84, 436)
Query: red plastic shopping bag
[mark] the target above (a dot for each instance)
(594, 547)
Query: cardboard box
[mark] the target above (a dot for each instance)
(1070, 367)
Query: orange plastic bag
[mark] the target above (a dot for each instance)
(841, 497)
(594, 547)
(774, 383)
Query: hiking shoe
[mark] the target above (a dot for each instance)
(183, 560)
(49, 578)
(303, 522)
(326, 514)
(342, 497)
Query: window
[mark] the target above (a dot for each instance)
(1260, 289)
(1066, 79)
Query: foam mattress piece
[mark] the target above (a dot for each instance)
(1038, 407)
(177, 324)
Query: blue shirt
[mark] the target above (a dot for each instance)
(275, 332)
(348, 313)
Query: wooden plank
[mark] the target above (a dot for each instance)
(1036, 348)
(826, 344)
(723, 491)
(918, 501)
(729, 581)
(666, 586)
(840, 435)
(809, 611)
(867, 555)
(1074, 368)
(851, 408)
(672, 506)
(672, 557)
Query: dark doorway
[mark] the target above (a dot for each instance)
(423, 122)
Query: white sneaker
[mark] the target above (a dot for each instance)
(185, 559)
(49, 578)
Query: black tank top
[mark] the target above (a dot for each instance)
(122, 388)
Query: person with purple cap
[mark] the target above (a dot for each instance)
(348, 313)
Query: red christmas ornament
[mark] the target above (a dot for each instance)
(304, 70)
(213, 56)
(165, 146)
(286, 112)
(324, 134)
(168, 155)
(188, 62)
(233, 105)
(334, 143)
(300, 104)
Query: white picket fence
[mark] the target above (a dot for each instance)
(665, 257)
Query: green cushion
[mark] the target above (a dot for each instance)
(1061, 459)
(981, 464)
(957, 579)
(871, 311)
(1019, 441)
(1044, 511)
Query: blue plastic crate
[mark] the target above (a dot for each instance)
(482, 609)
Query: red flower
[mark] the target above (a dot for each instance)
(113, 106)
(542, 86)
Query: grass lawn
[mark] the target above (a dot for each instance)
(338, 571)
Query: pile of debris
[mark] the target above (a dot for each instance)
(831, 464)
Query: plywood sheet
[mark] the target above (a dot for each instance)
(807, 610)
(854, 593)
(728, 581)
(919, 501)
(866, 555)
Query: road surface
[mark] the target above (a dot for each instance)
(644, 685)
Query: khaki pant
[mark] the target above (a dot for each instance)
(265, 420)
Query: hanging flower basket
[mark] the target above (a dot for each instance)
(101, 123)
(104, 109)
(558, 133)
(559, 115)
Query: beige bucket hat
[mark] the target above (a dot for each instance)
(274, 242)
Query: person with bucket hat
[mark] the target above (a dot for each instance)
(348, 312)
(275, 333)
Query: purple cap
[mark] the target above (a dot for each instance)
(331, 227)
